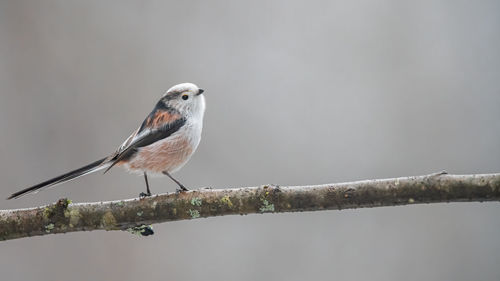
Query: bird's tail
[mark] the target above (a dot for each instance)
(90, 168)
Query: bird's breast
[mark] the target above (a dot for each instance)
(168, 154)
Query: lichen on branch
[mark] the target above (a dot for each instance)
(135, 215)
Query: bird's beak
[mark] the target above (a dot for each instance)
(200, 91)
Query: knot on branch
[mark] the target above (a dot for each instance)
(57, 210)
(56, 215)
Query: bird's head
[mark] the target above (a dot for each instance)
(186, 98)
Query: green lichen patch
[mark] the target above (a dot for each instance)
(196, 201)
(140, 213)
(194, 214)
(108, 221)
(49, 227)
(226, 201)
(73, 215)
(46, 212)
(266, 206)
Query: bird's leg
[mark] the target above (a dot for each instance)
(148, 193)
(182, 188)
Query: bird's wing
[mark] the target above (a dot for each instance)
(159, 125)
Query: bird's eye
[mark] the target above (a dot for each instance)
(185, 97)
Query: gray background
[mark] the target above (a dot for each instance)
(298, 92)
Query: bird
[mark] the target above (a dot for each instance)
(162, 145)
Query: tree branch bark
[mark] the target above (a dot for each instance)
(64, 216)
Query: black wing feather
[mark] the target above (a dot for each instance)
(147, 139)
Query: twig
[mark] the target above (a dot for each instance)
(135, 214)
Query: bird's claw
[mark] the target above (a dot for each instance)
(181, 189)
(144, 195)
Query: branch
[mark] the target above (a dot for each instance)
(131, 214)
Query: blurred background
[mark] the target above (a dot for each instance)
(298, 92)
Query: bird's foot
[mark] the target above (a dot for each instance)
(144, 195)
(181, 188)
